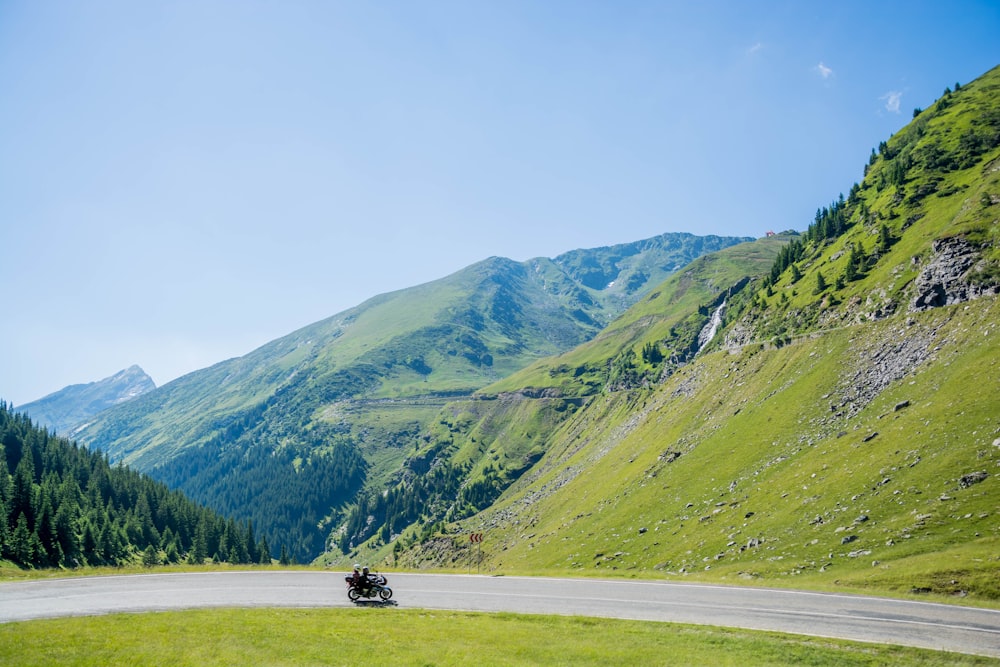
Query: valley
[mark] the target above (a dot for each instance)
(839, 428)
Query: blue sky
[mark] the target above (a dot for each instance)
(182, 182)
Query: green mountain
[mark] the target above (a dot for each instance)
(74, 405)
(477, 447)
(818, 407)
(288, 435)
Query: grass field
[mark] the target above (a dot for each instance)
(388, 636)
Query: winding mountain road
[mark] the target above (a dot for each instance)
(887, 621)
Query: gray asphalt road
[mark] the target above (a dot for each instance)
(921, 624)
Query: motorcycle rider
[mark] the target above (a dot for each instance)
(356, 577)
(362, 582)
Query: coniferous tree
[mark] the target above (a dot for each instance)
(651, 353)
(20, 542)
(820, 282)
(150, 557)
(884, 238)
(265, 552)
(22, 502)
(6, 483)
(50, 553)
(850, 272)
(253, 549)
(855, 263)
(89, 545)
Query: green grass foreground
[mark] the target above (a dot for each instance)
(390, 636)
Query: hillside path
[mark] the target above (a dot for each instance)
(868, 619)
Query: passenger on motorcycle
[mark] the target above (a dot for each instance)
(356, 576)
(363, 583)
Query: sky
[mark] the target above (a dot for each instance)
(182, 182)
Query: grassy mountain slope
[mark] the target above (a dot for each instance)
(840, 428)
(757, 476)
(477, 447)
(327, 409)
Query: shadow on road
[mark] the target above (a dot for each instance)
(376, 603)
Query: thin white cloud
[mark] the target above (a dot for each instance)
(892, 100)
(755, 48)
(824, 71)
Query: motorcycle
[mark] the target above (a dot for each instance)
(378, 586)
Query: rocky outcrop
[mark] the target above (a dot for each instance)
(965, 481)
(944, 280)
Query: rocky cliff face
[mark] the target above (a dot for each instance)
(68, 408)
(944, 280)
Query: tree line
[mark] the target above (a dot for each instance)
(268, 466)
(914, 163)
(62, 505)
(387, 513)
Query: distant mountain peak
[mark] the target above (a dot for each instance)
(133, 381)
(62, 410)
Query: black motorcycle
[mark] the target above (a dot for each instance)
(378, 587)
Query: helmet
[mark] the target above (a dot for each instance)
(365, 570)
(357, 566)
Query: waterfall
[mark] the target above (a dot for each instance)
(708, 331)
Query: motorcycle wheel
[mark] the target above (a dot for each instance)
(353, 593)
(385, 593)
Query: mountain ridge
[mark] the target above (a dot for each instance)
(65, 409)
(445, 338)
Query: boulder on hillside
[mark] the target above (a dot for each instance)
(965, 481)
